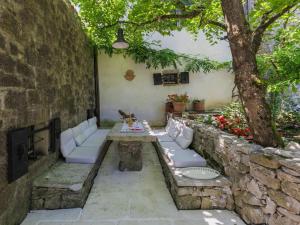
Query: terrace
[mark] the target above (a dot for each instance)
(101, 125)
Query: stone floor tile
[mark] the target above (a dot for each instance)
(145, 222)
(78, 223)
(209, 217)
(107, 205)
(36, 216)
(131, 198)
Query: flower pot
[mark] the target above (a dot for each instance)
(169, 107)
(179, 106)
(199, 106)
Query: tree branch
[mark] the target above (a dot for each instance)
(184, 15)
(218, 24)
(265, 23)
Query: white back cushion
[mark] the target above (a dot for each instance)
(92, 121)
(90, 130)
(185, 138)
(174, 129)
(78, 135)
(84, 125)
(67, 142)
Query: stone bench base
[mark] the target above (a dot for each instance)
(196, 194)
(65, 185)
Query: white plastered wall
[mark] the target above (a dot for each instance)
(146, 100)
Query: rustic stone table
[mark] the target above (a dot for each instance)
(130, 146)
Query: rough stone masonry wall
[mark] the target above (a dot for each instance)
(266, 181)
(46, 70)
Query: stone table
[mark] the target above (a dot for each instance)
(130, 146)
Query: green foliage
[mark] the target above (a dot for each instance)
(288, 119)
(141, 17)
(280, 69)
(178, 98)
(235, 111)
(167, 58)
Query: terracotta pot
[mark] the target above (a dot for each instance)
(179, 106)
(199, 106)
(169, 107)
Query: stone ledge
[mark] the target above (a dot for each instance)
(265, 181)
(196, 194)
(65, 185)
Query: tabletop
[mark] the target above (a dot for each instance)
(116, 135)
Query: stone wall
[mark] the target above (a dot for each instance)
(265, 181)
(46, 70)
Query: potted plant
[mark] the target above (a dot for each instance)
(199, 105)
(178, 101)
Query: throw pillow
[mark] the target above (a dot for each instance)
(174, 129)
(185, 138)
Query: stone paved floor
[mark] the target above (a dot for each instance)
(131, 198)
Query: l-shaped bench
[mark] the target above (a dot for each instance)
(67, 184)
(190, 193)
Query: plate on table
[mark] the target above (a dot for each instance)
(200, 173)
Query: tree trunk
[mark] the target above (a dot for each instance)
(252, 93)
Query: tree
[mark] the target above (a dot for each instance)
(217, 18)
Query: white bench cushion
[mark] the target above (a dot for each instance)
(84, 125)
(92, 121)
(162, 135)
(101, 132)
(171, 147)
(174, 129)
(93, 142)
(84, 155)
(67, 142)
(90, 130)
(185, 138)
(78, 135)
(186, 158)
(96, 139)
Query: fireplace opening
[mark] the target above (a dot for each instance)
(26, 144)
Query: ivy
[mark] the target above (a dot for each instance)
(168, 58)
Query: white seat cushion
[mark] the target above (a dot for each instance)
(186, 158)
(101, 132)
(84, 155)
(67, 142)
(185, 138)
(93, 142)
(96, 139)
(169, 147)
(174, 129)
(78, 135)
(162, 135)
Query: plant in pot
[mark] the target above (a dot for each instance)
(199, 105)
(178, 101)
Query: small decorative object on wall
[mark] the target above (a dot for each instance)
(184, 77)
(129, 75)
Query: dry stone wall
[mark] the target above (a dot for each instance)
(46, 70)
(265, 181)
